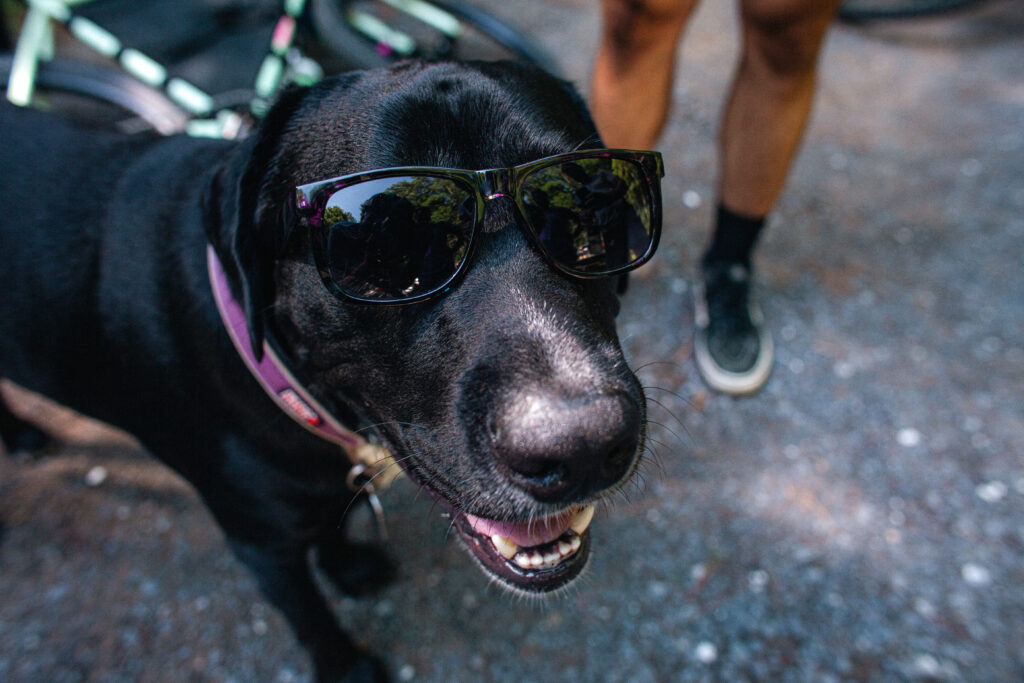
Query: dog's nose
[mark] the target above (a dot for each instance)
(560, 449)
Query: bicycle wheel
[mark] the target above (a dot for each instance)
(866, 10)
(101, 96)
(371, 33)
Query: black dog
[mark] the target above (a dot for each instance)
(507, 397)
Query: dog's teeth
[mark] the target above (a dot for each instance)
(504, 546)
(581, 520)
(551, 554)
(524, 560)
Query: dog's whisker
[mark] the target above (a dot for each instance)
(654, 455)
(682, 398)
(667, 410)
(388, 423)
(587, 141)
(651, 363)
(682, 442)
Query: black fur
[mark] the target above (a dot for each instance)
(108, 309)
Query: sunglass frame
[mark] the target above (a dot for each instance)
(311, 202)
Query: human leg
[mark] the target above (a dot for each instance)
(770, 99)
(634, 69)
(763, 123)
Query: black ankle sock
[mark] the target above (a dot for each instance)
(734, 237)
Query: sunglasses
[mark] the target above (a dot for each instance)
(401, 235)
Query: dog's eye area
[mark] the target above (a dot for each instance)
(404, 234)
(397, 238)
(592, 216)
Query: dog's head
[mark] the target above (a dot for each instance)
(508, 397)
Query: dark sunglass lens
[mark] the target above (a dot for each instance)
(390, 239)
(593, 215)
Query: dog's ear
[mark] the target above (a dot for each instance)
(243, 207)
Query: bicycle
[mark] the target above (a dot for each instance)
(870, 10)
(143, 94)
(370, 33)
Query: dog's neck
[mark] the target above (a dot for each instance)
(371, 463)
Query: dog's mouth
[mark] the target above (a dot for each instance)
(536, 556)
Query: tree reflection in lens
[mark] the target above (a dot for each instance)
(409, 239)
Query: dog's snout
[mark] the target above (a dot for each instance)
(558, 449)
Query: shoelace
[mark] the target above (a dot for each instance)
(727, 288)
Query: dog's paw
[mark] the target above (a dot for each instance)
(356, 568)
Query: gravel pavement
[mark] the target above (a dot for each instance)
(860, 519)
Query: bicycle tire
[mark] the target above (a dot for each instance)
(870, 10)
(103, 96)
(335, 32)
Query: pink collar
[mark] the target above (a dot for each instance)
(373, 467)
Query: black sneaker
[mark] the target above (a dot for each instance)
(733, 349)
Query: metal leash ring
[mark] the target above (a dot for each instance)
(360, 480)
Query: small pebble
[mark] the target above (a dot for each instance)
(992, 491)
(926, 665)
(980, 441)
(96, 476)
(971, 168)
(657, 589)
(909, 437)
(975, 574)
(972, 424)
(925, 608)
(844, 370)
(757, 580)
(706, 652)
(991, 345)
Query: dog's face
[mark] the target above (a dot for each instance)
(507, 398)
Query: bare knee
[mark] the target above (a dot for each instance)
(784, 37)
(632, 25)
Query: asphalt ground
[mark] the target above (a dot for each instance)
(860, 519)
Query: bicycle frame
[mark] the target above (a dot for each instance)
(36, 42)
(202, 115)
(397, 41)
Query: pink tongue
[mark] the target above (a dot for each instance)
(524, 534)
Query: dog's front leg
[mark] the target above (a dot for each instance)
(271, 522)
(285, 580)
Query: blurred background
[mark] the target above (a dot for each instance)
(860, 519)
